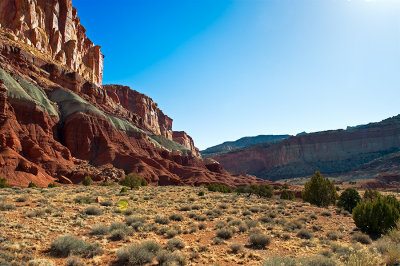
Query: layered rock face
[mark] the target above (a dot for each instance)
(149, 115)
(337, 152)
(53, 28)
(184, 139)
(58, 124)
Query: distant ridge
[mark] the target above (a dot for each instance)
(242, 143)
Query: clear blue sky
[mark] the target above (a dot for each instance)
(224, 69)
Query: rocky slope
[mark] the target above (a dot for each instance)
(241, 143)
(58, 123)
(365, 151)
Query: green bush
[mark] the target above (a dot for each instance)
(201, 193)
(262, 190)
(349, 199)
(123, 190)
(3, 183)
(319, 191)
(219, 188)
(287, 195)
(378, 216)
(52, 185)
(32, 185)
(371, 195)
(87, 181)
(132, 181)
(259, 240)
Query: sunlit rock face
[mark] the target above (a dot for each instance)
(53, 28)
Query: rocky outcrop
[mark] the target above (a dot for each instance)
(337, 152)
(184, 139)
(58, 124)
(149, 116)
(54, 30)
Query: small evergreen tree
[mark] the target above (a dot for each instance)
(287, 195)
(320, 191)
(349, 199)
(377, 216)
(132, 181)
(32, 185)
(87, 181)
(3, 183)
(370, 195)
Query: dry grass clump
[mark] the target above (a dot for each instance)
(138, 254)
(174, 244)
(258, 240)
(361, 238)
(67, 245)
(93, 210)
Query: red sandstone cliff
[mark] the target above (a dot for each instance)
(361, 150)
(57, 123)
(185, 140)
(53, 28)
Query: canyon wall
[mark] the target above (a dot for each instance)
(58, 124)
(53, 29)
(337, 152)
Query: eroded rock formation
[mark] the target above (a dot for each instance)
(53, 28)
(59, 124)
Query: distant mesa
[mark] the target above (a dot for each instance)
(241, 143)
(363, 151)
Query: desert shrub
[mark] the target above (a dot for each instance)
(304, 234)
(171, 232)
(138, 254)
(326, 213)
(262, 190)
(201, 194)
(225, 233)
(332, 235)
(176, 217)
(161, 220)
(259, 240)
(123, 190)
(3, 183)
(35, 213)
(74, 261)
(87, 181)
(175, 258)
(119, 231)
(6, 206)
(133, 181)
(287, 195)
(32, 185)
(22, 198)
(106, 203)
(371, 195)
(349, 199)
(135, 221)
(236, 248)
(99, 230)
(67, 245)
(93, 210)
(319, 191)
(310, 261)
(378, 216)
(185, 208)
(174, 244)
(361, 238)
(52, 185)
(251, 223)
(219, 188)
(107, 184)
(202, 226)
(84, 200)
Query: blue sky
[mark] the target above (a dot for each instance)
(224, 69)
